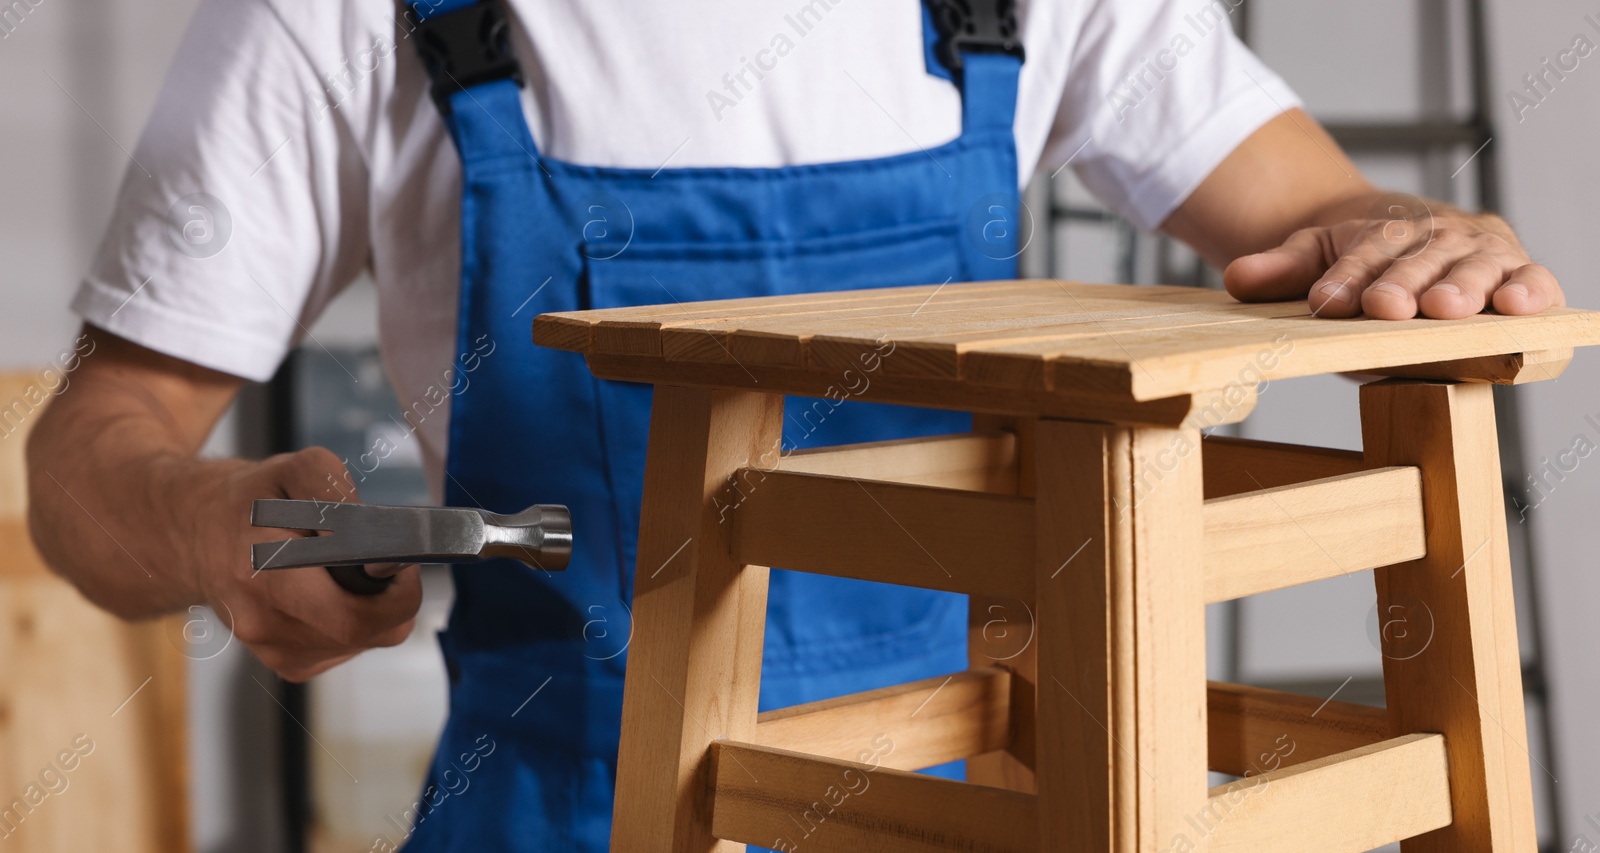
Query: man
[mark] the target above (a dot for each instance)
(661, 152)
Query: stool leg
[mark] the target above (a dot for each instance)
(1466, 681)
(694, 668)
(1002, 632)
(1121, 723)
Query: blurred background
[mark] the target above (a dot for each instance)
(210, 752)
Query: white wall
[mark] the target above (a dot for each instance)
(1552, 179)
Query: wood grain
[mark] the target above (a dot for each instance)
(1139, 343)
(920, 536)
(979, 543)
(979, 462)
(1121, 707)
(694, 668)
(1235, 465)
(1288, 535)
(1453, 666)
(69, 669)
(1348, 802)
(1253, 730)
(931, 721)
(794, 802)
(1003, 632)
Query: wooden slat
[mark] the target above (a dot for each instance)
(1164, 363)
(1454, 668)
(931, 721)
(957, 541)
(1289, 535)
(1344, 803)
(1235, 465)
(694, 671)
(1253, 730)
(1202, 409)
(1510, 369)
(980, 462)
(793, 802)
(981, 544)
(1002, 632)
(1140, 343)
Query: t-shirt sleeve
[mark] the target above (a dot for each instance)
(1157, 94)
(244, 207)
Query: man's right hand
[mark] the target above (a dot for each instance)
(120, 505)
(299, 622)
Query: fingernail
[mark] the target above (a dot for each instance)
(1447, 287)
(1390, 288)
(1518, 289)
(1335, 290)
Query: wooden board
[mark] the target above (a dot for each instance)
(920, 536)
(980, 543)
(1002, 631)
(1253, 730)
(1345, 803)
(694, 669)
(931, 721)
(793, 802)
(1450, 660)
(1121, 725)
(70, 670)
(1139, 343)
(979, 462)
(1289, 535)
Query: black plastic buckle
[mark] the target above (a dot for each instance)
(465, 47)
(975, 26)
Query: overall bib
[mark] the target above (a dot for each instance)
(527, 760)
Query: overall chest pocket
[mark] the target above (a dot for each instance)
(813, 621)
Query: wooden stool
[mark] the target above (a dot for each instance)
(1088, 513)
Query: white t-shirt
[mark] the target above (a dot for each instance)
(294, 142)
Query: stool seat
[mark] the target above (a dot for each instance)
(1050, 346)
(1088, 514)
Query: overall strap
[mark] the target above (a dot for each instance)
(465, 46)
(978, 45)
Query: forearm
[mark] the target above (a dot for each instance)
(105, 490)
(114, 481)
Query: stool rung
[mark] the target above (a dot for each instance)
(1352, 801)
(1253, 730)
(977, 543)
(790, 801)
(921, 536)
(1236, 465)
(1279, 537)
(931, 721)
(979, 461)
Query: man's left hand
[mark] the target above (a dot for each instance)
(1441, 263)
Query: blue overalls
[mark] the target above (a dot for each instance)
(527, 760)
